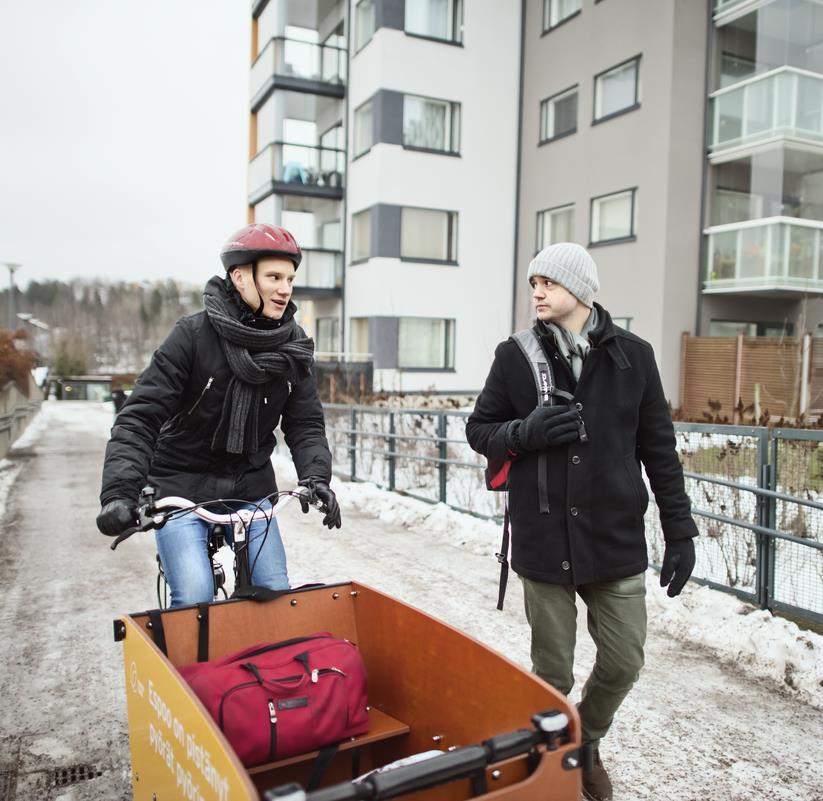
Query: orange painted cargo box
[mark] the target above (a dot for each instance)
(430, 687)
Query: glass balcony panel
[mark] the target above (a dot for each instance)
(753, 253)
(777, 256)
(260, 170)
(308, 165)
(320, 269)
(802, 251)
(783, 102)
(810, 106)
(758, 103)
(293, 58)
(786, 94)
(723, 254)
(729, 118)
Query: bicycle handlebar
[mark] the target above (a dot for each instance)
(151, 517)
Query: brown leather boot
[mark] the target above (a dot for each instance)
(597, 785)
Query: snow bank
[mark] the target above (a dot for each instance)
(753, 640)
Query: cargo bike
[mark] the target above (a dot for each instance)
(448, 718)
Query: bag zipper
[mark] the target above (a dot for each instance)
(200, 397)
(273, 728)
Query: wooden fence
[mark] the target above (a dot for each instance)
(779, 375)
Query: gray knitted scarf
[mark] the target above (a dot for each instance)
(575, 347)
(255, 356)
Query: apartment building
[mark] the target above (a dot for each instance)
(424, 150)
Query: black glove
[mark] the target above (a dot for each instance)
(547, 426)
(115, 517)
(327, 497)
(678, 563)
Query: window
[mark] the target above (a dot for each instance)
(331, 156)
(363, 23)
(731, 328)
(614, 217)
(435, 19)
(361, 235)
(557, 11)
(428, 235)
(425, 343)
(624, 322)
(555, 225)
(328, 335)
(617, 89)
(558, 115)
(359, 337)
(363, 128)
(431, 124)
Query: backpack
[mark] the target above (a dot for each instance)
(497, 471)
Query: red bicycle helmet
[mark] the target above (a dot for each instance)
(259, 241)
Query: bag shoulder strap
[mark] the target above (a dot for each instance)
(541, 368)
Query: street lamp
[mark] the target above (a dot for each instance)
(12, 267)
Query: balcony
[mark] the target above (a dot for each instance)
(726, 10)
(320, 272)
(785, 103)
(776, 256)
(296, 170)
(299, 66)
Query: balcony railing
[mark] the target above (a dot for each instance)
(783, 102)
(291, 58)
(320, 269)
(306, 168)
(779, 254)
(722, 6)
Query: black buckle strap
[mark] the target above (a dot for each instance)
(503, 558)
(203, 632)
(155, 625)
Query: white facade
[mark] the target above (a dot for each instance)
(480, 184)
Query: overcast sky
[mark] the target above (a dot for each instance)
(123, 136)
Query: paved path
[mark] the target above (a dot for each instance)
(691, 730)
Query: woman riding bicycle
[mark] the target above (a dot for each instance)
(200, 421)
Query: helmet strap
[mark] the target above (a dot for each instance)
(259, 310)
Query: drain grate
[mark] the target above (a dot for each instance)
(8, 785)
(63, 777)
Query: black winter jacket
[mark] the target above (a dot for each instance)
(597, 498)
(164, 431)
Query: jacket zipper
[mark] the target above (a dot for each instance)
(200, 397)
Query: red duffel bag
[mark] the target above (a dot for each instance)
(275, 700)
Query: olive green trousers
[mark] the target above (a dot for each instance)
(617, 624)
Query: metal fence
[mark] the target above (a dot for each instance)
(757, 493)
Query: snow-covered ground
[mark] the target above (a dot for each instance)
(727, 707)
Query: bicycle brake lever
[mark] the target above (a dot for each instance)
(125, 535)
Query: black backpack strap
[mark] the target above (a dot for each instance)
(155, 625)
(503, 558)
(203, 632)
(529, 344)
(321, 765)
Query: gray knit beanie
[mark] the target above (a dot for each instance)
(569, 265)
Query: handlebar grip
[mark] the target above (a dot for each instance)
(452, 765)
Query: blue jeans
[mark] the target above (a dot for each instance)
(182, 546)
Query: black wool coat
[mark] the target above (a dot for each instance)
(164, 431)
(597, 497)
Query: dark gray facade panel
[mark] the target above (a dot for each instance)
(390, 14)
(385, 231)
(383, 333)
(388, 117)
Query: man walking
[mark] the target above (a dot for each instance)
(577, 502)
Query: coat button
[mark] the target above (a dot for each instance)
(565, 565)
(579, 407)
(575, 460)
(573, 511)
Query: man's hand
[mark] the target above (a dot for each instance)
(327, 497)
(547, 426)
(678, 563)
(115, 517)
